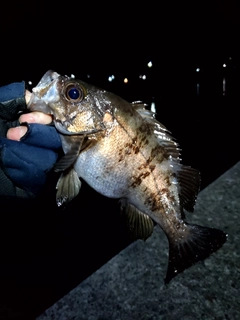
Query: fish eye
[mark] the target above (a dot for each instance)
(74, 93)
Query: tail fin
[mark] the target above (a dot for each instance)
(195, 245)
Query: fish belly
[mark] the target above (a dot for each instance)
(106, 166)
(102, 174)
(145, 187)
(128, 164)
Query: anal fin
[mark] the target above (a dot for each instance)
(189, 180)
(140, 225)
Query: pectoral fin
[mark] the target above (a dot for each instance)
(140, 225)
(72, 146)
(68, 187)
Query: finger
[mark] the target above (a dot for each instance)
(27, 96)
(16, 133)
(36, 117)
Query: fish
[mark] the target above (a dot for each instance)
(122, 151)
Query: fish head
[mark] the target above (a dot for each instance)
(77, 107)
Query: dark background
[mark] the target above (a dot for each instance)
(47, 251)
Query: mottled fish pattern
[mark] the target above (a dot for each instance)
(122, 151)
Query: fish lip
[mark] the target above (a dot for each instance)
(46, 81)
(36, 102)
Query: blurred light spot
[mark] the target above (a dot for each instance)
(224, 86)
(125, 80)
(88, 75)
(111, 78)
(144, 77)
(72, 76)
(224, 65)
(149, 64)
(198, 89)
(30, 83)
(230, 58)
(198, 69)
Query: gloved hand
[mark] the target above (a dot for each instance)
(24, 164)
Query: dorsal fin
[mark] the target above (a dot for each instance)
(140, 225)
(187, 177)
(159, 130)
(140, 107)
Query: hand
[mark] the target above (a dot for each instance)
(28, 151)
(34, 117)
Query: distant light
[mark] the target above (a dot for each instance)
(198, 89)
(230, 58)
(198, 69)
(88, 75)
(224, 65)
(111, 78)
(30, 83)
(125, 80)
(224, 86)
(150, 64)
(72, 76)
(143, 76)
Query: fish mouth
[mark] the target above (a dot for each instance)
(43, 92)
(46, 81)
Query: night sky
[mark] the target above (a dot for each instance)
(62, 247)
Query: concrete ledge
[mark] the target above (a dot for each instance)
(130, 286)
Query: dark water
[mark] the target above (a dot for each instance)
(46, 251)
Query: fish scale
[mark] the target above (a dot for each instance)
(122, 151)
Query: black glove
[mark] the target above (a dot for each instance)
(24, 164)
(12, 103)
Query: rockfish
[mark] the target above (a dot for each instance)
(122, 151)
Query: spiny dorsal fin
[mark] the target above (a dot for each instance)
(187, 177)
(140, 225)
(140, 107)
(189, 181)
(159, 130)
